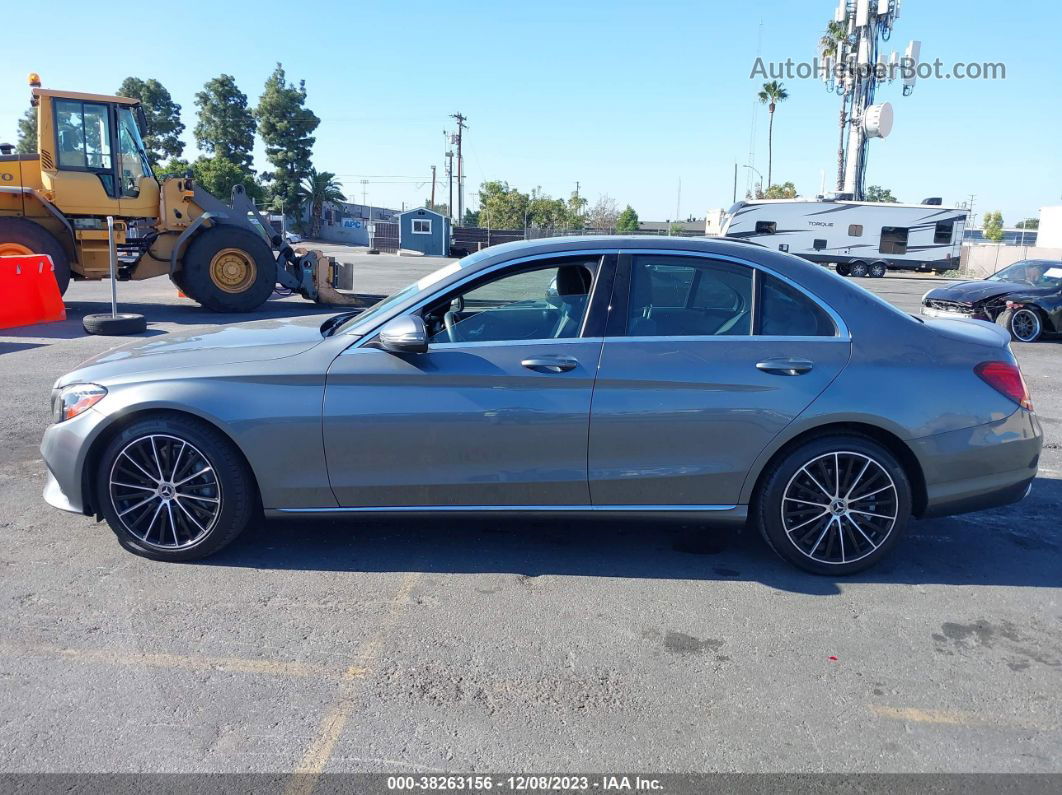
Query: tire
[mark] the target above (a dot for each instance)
(108, 326)
(215, 508)
(788, 501)
(859, 270)
(878, 270)
(20, 236)
(228, 269)
(1024, 325)
(844, 269)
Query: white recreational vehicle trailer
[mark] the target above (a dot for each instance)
(860, 238)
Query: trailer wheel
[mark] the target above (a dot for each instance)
(878, 270)
(228, 269)
(843, 269)
(19, 237)
(859, 269)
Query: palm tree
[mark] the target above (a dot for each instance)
(830, 46)
(771, 94)
(317, 188)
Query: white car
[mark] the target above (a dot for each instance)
(292, 238)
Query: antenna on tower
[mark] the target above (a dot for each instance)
(854, 68)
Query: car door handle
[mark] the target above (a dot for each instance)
(550, 364)
(785, 366)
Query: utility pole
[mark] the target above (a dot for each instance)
(678, 201)
(734, 200)
(433, 188)
(460, 166)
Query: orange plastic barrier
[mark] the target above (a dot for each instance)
(28, 292)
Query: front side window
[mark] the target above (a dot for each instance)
(422, 226)
(537, 304)
(132, 161)
(786, 312)
(893, 240)
(688, 297)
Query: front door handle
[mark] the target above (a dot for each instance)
(785, 366)
(550, 364)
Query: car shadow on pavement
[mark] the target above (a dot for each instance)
(1016, 545)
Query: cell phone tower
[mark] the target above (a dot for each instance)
(853, 65)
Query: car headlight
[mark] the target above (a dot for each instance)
(75, 399)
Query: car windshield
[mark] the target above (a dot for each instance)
(1039, 273)
(361, 321)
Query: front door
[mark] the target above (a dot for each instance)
(496, 413)
(706, 361)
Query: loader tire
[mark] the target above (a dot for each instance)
(19, 237)
(228, 269)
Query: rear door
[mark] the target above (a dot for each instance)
(704, 362)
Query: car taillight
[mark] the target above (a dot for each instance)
(1006, 378)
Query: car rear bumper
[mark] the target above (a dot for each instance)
(64, 448)
(981, 467)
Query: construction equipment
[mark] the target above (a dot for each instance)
(91, 163)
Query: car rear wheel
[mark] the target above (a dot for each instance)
(835, 505)
(859, 269)
(1024, 324)
(173, 488)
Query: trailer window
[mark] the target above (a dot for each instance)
(942, 235)
(893, 240)
(766, 227)
(818, 244)
(855, 230)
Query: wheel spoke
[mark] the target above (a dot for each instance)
(146, 473)
(875, 515)
(862, 497)
(155, 453)
(183, 496)
(855, 524)
(809, 521)
(806, 502)
(132, 486)
(145, 501)
(193, 477)
(816, 482)
(177, 461)
(858, 477)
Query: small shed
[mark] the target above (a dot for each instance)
(425, 231)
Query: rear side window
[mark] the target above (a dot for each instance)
(688, 297)
(786, 312)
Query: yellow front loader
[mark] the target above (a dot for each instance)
(91, 163)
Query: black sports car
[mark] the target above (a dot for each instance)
(1025, 298)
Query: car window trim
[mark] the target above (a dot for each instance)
(626, 262)
(606, 263)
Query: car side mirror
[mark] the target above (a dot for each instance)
(405, 334)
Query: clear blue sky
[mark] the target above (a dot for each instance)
(627, 98)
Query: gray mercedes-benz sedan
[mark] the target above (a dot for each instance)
(629, 375)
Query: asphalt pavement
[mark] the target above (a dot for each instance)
(432, 644)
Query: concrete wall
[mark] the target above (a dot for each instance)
(980, 261)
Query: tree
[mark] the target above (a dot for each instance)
(876, 193)
(770, 95)
(786, 190)
(675, 229)
(442, 209)
(1028, 223)
(164, 125)
(502, 206)
(27, 132)
(219, 175)
(576, 214)
(286, 126)
(830, 47)
(226, 125)
(627, 220)
(471, 218)
(603, 214)
(993, 226)
(176, 167)
(317, 188)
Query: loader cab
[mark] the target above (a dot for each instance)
(92, 155)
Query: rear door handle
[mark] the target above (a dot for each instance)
(785, 366)
(550, 364)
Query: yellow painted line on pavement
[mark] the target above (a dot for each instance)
(944, 717)
(313, 762)
(187, 662)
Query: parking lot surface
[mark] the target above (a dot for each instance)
(437, 644)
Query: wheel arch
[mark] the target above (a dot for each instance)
(123, 421)
(887, 439)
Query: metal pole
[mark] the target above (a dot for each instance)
(113, 256)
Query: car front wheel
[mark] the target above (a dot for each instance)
(1023, 324)
(835, 505)
(174, 488)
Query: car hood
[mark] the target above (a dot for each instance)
(205, 346)
(975, 292)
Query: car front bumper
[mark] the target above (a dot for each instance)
(65, 449)
(981, 467)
